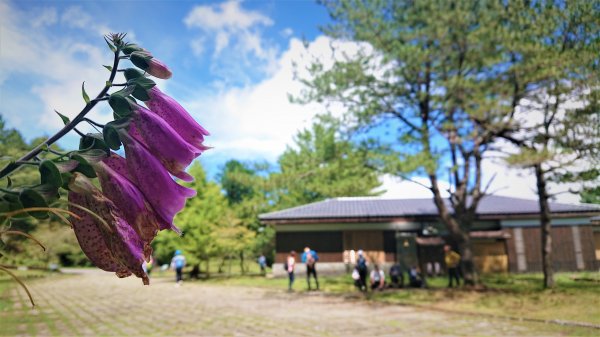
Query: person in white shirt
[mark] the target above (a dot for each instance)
(377, 278)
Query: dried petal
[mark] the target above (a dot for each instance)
(122, 251)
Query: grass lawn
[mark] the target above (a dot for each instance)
(518, 295)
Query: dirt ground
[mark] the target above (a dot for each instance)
(94, 303)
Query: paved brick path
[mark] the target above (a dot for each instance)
(99, 304)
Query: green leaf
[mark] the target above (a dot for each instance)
(64, 118)
(8, 182)
(86, 98)
(50, 174)
(84, 166)
(111, 136)
(109, 68)
(31, 198)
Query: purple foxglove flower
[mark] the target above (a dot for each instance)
(158, 69)
(116, 167)
(132, 204)
(122, 251)
(176, 116)
(164, 195)
(163, 142)
(145, 61)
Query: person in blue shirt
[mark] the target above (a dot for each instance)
(310, 258)
(177, 263)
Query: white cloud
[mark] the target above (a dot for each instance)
(287, 32)
(44, 17)
(58, 63)
(234, 31)
(228, 16)
(398, 188)
(76, 17)
(258, 121)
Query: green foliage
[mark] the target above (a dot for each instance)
(322, 165)
(210, 228)
(235, 180)
(591, 195)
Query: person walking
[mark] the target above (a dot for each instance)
(177, 263)
(361, 266)
(452, 260)
(310, 258)
(290, 264)
(262, 262)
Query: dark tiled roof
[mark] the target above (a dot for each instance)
(366, 207)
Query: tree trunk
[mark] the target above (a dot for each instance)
(545, 227)
(457, 234)
(242, 263)
(470, 275)
(222, 265)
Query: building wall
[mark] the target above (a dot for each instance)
(568, 253)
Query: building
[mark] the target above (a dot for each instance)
(505, 237)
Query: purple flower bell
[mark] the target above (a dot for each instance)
(111, 243)
(177, 117)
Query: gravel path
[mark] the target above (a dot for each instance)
(99, 304)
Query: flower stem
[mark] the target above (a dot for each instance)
(14, 165)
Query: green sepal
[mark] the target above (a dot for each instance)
(130, 48)
(141, 94)
(140, 59)
(120, 104)
(66, 166)
(66, 177)
(93, 141)
(141, 86)
(131, 73)
(86, 98)
(50, 174)
(48, 192)
(12, 200)
(143, 82)
(30, 198)
(64, 118)
(111, 137)
(84, 166)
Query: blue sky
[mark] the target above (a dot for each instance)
(232, 64)
(219, 52)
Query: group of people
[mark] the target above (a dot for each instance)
(359, 273)
(309, 258)
(415, 278)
